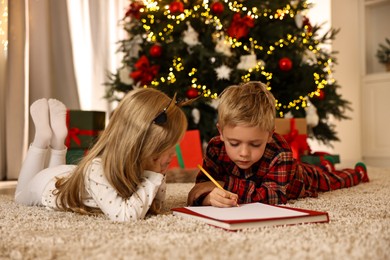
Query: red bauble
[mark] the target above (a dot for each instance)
(176, 7)
(217, 8)
(192, 93)
(285, 64)
(321, 96)
(155, 51)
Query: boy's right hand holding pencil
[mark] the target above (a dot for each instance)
(221, 198)
(211, 194)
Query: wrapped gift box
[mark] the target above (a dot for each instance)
(83, 128)
(317, 157)
(74, 155)
(189, 152)
(294, 130)
(283, 125)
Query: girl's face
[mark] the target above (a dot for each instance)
(160, 164)
(166, 158)
(245, 145)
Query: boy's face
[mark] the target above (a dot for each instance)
(245, 145)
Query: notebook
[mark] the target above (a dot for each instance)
(251, 215)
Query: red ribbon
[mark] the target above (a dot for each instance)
(290, 137)
(239, 27)
(74, 132)
(134, 10)
(145, 73)
(298, 142)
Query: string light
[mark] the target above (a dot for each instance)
(203, 10)
(4, 25)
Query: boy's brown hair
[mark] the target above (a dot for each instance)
(250, 104)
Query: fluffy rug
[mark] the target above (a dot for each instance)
(359, 228)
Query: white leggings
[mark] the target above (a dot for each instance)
(35, 175)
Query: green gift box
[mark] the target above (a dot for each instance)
(74, 155)
(317, 158)
(83, 128)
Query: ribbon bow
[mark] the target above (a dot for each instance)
(290, 137)
(298, 142)
(145, 73)
(134, 10)
(74, 133)
(239, 27)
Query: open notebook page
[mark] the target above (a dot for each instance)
(246, 211)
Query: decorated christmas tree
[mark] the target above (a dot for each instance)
(197, 48)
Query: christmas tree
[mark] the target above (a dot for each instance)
(197, 48)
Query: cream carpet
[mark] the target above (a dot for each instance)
(359, 229)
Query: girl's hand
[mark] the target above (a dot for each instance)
(161, 163)
(157, 165)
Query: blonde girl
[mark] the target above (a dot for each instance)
(122, 176)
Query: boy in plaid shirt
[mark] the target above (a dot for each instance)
(255, 164)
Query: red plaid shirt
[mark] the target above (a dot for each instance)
(275, 178)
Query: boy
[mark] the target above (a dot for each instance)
(255, 164)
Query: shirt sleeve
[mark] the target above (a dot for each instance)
(115, 207)
(270, 188)
(161, 193)
(212, 164)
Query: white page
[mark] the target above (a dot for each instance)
(246, 211)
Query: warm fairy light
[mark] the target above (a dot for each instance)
(4, 25)
(151, 5)
(255, 12)
(193, 71)
(178, 64)
(203, 11)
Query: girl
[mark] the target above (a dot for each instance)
(122, 176)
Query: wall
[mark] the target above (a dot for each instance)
(346, 72)
(345, 15)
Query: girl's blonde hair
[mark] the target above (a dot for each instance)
(129, 140)
(250, 104)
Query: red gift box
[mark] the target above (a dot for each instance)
(189, 152)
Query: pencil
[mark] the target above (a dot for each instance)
(212, 179)
(209, 176)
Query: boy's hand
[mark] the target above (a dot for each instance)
(215, 196)
(221, 198)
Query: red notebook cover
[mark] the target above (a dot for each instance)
(265, 215)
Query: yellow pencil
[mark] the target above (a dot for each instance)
(212, 179)
(209, 176)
